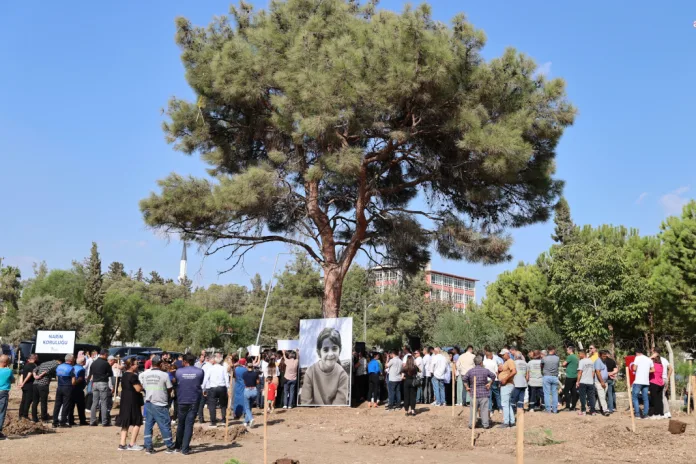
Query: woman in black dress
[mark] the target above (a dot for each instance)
(130, 414)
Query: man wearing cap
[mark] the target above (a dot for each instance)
(65, 375)
(157, 388)
(506, 375)
(99, 374)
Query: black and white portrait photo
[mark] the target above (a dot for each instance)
(325, 361)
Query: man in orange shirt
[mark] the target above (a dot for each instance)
(506, 374)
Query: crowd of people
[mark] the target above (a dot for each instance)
(172, 392)
(509, 379)
(167, 392)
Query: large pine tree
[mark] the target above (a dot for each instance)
(322, 121)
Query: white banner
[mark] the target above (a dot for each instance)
(55, 341)
(326, 360)
(253, 350)
(288, 345)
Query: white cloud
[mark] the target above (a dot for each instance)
(642, 197)
(673, 202)
(544, 69)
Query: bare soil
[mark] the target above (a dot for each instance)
(375, 436)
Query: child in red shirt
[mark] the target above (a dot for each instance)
(272, 389)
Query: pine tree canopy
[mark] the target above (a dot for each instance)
(322, 121)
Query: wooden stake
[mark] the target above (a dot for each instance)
(473, 417)
(265, 422)
(690, 387)
(453, 382)
(230, 400)
(520, 435)
(630, 400)
(19, 359)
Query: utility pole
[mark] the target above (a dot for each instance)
(268, 296)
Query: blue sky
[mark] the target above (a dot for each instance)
(82, 85)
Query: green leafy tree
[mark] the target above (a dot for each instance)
(594, 292)
(517, 299)
(139, 275)
(122, 308)
(50, 313)
(68, 285)
(675, 275)
(473, 327)
(538, 336)
(321, 120)
(10, 286)
(230, 298)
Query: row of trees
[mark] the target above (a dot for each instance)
(115, 305)
(604, 285)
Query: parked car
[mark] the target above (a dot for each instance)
(124, 351)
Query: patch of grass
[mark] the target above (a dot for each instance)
(234, 461)
(540, 437)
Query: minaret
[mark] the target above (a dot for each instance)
(182, 264)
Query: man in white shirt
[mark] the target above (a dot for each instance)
(464, 364)
(642, 366)
(419, 364)
(427, 374)
(439, 367)
(491, 363)
(666, 376)
(216, 383)
(205, 365)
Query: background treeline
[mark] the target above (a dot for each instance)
(605, 285)
(110, 305)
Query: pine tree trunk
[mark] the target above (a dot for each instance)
(333, 286)
(651, 318)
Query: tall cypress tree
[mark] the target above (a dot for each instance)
(94, 294)
(565, 227)
(139, 275)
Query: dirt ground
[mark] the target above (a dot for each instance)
(373, 436)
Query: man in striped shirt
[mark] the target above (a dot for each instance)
(483, 378)
(42, 378)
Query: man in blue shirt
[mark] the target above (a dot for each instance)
(78, 393)
(65, 375)
(189, 392)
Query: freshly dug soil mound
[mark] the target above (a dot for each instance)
(21, 426)
(206, 434)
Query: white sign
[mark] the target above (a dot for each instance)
(288, 345)
(55, 341)
(253, 350)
